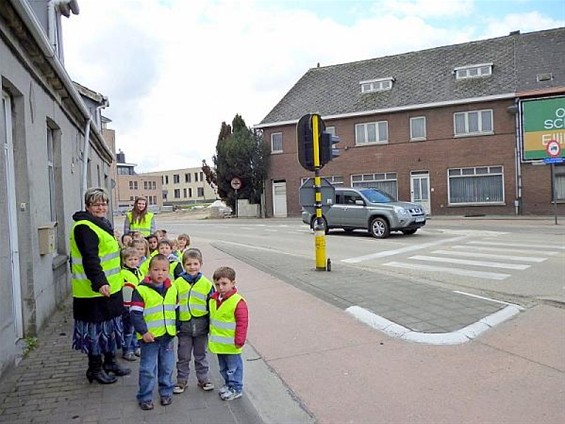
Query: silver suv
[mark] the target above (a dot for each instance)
(372, 210)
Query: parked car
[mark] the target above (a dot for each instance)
(370, 209)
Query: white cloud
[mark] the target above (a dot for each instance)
(175, 69)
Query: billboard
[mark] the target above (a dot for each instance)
(543, 120)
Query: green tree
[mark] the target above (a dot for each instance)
(240, 152)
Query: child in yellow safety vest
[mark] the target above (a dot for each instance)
(194, 291)
(229, 320)
(165, 247)
(154, 314)
(131, 276)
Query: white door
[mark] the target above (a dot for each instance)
(279, 199)
(13, 246)
(420, 189)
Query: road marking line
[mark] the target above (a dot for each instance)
(491, 256)
(455, 271)
(400, 251)
(469, 262)
(529, 246)
(494, 249)
(488, 298)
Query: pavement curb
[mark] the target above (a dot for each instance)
(463, 335)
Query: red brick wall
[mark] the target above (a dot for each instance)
(439, 152)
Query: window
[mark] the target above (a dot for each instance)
(176, 178)
(200, 192)
(480, 185)
(189, 192)
(154, 185)
(473, 123)
(383, 181)
(335, 180)
(145, 185)
(166, 179)
(276, 143)
(51, 175)
(473, 71)
(201, 176)
(196, 177)
(559, 182)
(418, 128)
(371, 132)
(381, 84)
(184, 192)
(187, 177)
(131, 185)
(177, 193)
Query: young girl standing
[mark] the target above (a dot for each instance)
(194, 291)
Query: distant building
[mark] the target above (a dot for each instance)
(462, 129)
(131, 185)
(184, 187)
(53, 149)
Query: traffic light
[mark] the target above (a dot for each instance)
(305, 139)
(327, 150)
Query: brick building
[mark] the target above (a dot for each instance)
(444, 127)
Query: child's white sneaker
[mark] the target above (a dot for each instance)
(231, 394)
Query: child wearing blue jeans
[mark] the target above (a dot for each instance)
(132, 276)
(154, 314)
(228, 331)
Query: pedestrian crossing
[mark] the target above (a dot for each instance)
(477, 258)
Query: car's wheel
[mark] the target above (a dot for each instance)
(408, 232)
(324, 224)
(379, 228)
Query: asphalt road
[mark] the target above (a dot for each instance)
(516, 260)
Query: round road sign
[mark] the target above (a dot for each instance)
(235, 183)
(553, 148)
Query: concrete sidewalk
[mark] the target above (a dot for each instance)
(308, 361)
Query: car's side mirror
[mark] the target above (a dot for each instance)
(359, 202)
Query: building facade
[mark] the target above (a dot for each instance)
(184, 187)
(461, 129)
(131, 185)
(52, 151)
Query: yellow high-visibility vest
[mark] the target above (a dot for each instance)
(193, 298)
(144, 226)
(222, 326)
(109, 253)
(158, 312)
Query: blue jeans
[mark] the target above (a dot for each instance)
(157, 360)
(130, 339)
(231, 368)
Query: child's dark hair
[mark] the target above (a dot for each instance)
(151, 236)
(192, 253)
(165, 241)
(224, 272)
(158, 257)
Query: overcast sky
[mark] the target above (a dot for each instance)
(174, 70)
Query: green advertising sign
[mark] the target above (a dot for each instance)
(543, 120)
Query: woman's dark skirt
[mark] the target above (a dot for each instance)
(97, 338)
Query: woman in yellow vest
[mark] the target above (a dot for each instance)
(97, 288)
(139, 218)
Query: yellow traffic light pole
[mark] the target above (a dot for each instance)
(319, 232)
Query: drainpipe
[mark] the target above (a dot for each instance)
(51, 21)
(86, 150)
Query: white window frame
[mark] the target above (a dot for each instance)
(476, 173)
(385, 181)
(379, 84)
(277, 142)
(364, 127)
(480, 124)
(415, 137)
(480, 70)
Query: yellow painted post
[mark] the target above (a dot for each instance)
(319, 231)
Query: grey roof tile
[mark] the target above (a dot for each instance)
(426, 76)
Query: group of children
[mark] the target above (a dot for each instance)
(166, 296)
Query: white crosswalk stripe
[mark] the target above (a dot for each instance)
(480, 254)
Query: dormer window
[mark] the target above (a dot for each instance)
(381, 84)
(473, 71)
